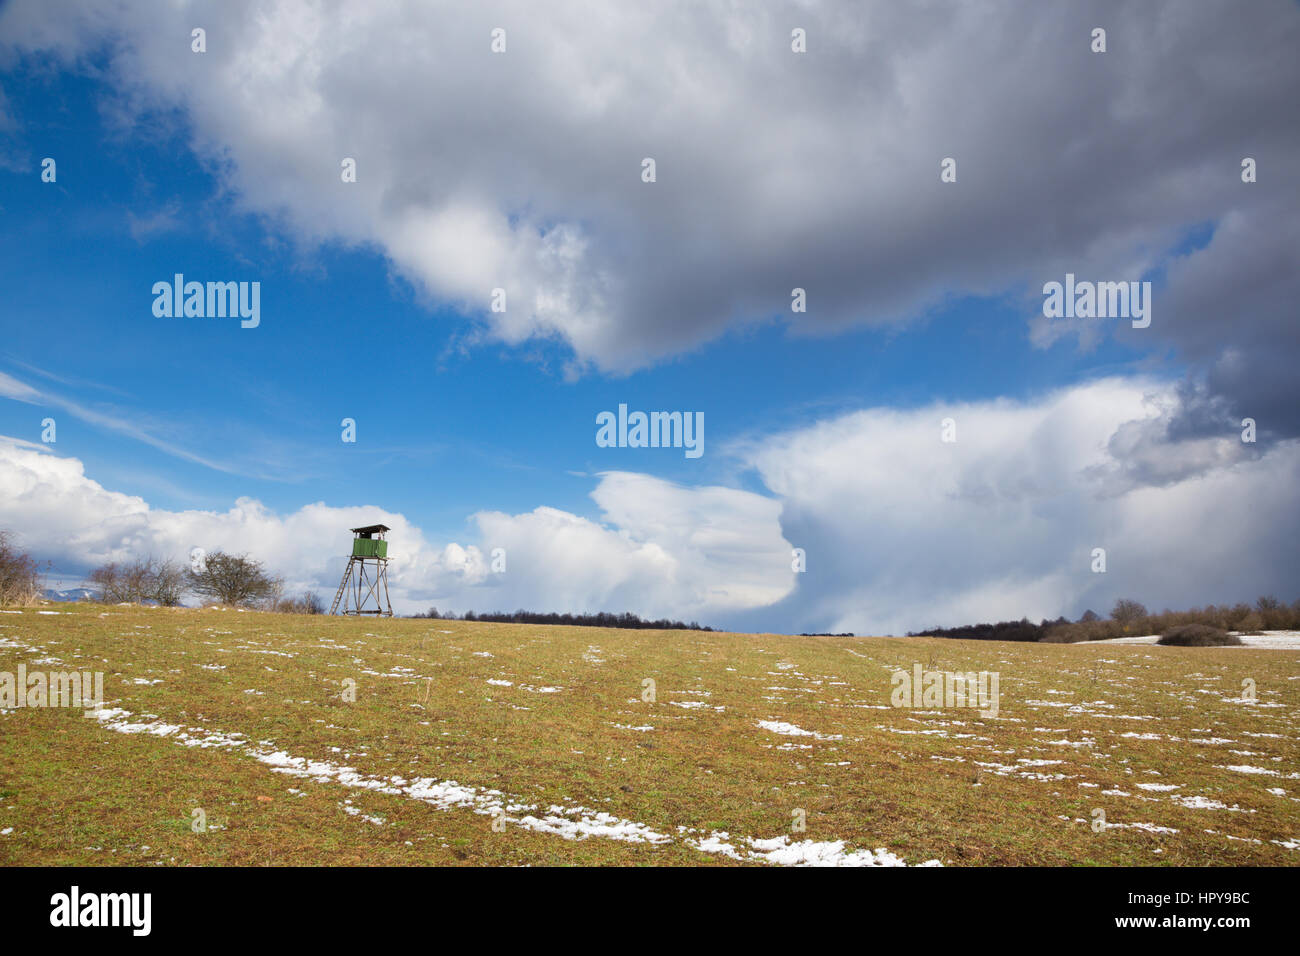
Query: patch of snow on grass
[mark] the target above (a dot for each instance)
(1199, 802)
(829, 853)
(790, 730)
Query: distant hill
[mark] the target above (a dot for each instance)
(70, 594)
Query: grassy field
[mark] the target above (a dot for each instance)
(485, 744)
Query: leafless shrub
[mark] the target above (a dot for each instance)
(1199, 635)
(1252, 623)
(20, 575)
(135, 582)
(309, 603)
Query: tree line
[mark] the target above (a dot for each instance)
(1130, 618)
(600, 619)
(235, 580)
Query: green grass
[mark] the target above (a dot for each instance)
(75, 791)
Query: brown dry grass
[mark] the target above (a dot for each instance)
(940, 784)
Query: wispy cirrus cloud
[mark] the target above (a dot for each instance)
(140, 426)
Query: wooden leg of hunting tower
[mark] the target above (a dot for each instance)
(387, 603)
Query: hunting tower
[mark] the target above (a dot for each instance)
(366, 575)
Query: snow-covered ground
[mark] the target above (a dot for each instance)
(1277, 640)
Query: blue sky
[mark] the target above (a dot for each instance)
(457, 415)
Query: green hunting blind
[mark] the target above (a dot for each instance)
(365, 579)
(364, 546)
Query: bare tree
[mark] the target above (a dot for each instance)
(232, 579)
(1127, 611)
(109, 581)
(20, 575)
(138, 581)
(168, 583)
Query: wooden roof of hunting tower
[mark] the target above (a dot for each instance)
(371, 530)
